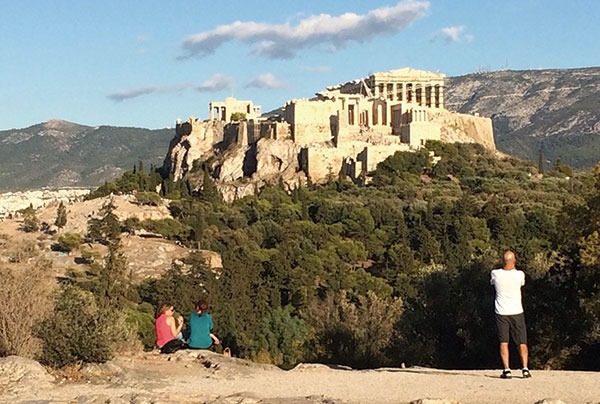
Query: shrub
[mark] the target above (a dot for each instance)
(79, 330)
(355, 333)
(67, 242)
(23, 252)
(148, 198)
(141, 320)
(26, 299)
(168, 228)
(131, 224)
(89, 256)
(238, 116)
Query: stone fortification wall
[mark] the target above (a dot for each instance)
(268, 130)
(464, 128)
(375, 154)
(311, 120)
(324, 162)
(416, 134)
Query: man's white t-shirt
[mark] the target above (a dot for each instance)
(508, 291)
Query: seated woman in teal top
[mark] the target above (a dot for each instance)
(201, 325)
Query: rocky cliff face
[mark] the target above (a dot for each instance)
(557, 110)
(238, 160)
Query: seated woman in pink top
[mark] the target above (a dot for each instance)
(166, 326)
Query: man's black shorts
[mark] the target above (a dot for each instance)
(512, 326)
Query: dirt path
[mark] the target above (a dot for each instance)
(192, 377)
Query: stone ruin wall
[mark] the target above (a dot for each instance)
(311, 121)
(464, 128)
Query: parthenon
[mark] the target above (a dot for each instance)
(404, 85)
(397, 102)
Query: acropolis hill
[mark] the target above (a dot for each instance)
(349, 128)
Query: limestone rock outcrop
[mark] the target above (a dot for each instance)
(194, 140)
(231, 167)
(18, 374)
(199, 376)
(276, 158)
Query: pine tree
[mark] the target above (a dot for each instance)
(106, 228)
(209, 191)
(61, 215)
(30, 221)
(113, 282)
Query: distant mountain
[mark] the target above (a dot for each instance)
(557, 110)
(59, 153)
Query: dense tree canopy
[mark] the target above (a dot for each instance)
(393, 271)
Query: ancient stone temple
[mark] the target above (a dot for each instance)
(349, 128)
(222, 110)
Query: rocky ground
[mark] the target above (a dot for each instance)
(146, 256)
(206, 377)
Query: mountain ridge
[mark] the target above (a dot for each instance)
(60, 153)
(557, 110)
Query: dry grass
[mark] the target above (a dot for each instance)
(26, 291)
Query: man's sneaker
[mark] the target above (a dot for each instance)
(506, 374)
(526, 374)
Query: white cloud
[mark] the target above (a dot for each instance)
(216, 82)
(455, 34)
(317, 69)
(121, 95)
(266, 81)
(283, 41)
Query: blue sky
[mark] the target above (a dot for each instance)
(147, 63)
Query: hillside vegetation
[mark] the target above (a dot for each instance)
(393, 272)
(60, 154)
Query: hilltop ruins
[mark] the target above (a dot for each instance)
(350, 127)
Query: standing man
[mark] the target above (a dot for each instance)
(510, 319)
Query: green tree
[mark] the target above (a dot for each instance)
(61, 215)
(238, 116)
(280, 338)
(30, 221)
(208, 191)
(107, 227)
(113, 280)
(148, 198)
